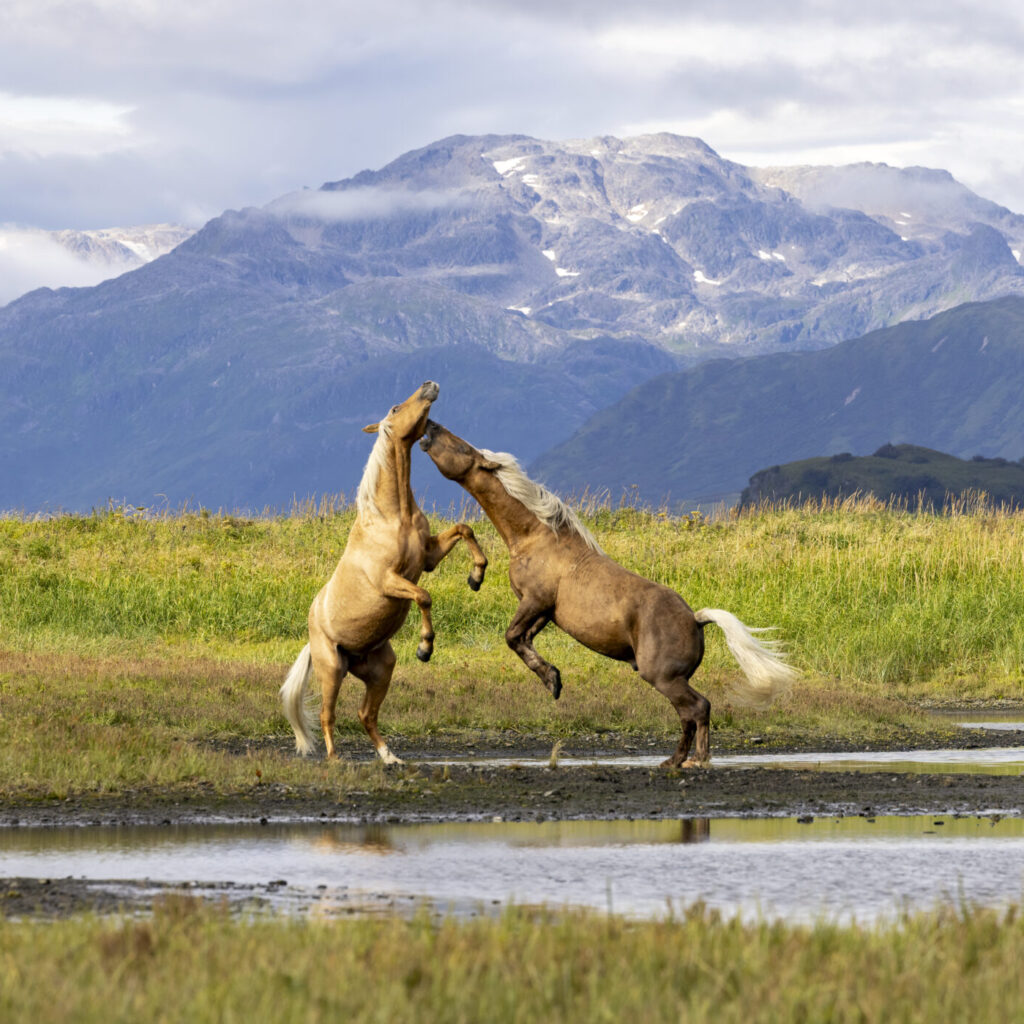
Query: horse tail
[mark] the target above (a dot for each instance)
(766, 671)
(293, 700)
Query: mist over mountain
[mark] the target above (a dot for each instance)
(536, 281)
(33, 258)
(951, 383)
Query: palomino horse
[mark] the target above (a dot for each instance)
(560, 575)
(362, 606)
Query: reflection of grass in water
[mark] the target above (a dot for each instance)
(127, 636)
(526, 965)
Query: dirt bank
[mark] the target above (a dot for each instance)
(425, 790)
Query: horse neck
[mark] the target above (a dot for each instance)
(393, 494)
(511, 518)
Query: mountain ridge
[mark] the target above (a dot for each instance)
(567, 272)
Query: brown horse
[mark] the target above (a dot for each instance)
(560, 575)
(366, 600)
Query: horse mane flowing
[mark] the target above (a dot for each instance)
(547, 507)
(366, 504)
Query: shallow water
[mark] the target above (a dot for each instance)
(1006, 721)
(991, 761)
(846, 868)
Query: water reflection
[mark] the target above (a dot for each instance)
(793, 868)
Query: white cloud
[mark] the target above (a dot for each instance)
(356, 203)
(154, 109)
(32, 259)
(44, 125)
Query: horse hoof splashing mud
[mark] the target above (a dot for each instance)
(366, 600)
(559, 574)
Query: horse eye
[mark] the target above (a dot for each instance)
(394, 408)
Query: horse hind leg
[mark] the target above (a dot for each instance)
(375, 671)
(694, 712)
(330, 666)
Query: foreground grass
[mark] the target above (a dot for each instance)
(524, 966)
(130, 641)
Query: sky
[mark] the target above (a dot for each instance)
(128, 112)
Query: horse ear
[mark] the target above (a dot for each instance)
(372, 428)
(490, 466)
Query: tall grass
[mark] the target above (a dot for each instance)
(132, 643)
(913, 602)
(189, 963)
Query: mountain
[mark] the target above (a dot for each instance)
(544, 279)
(917, 203)
(952, 383)
(902, 472)
(124, 247)
(31, 258)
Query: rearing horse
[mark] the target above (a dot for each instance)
(366, 600)
(560, 575)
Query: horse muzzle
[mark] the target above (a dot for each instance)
(428, 435)
(429, 391)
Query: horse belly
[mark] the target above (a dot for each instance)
(359, 634)
(606, 634)
(353, 615)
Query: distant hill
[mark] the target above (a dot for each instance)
(952, 383)
(903, 472)
(536, 281)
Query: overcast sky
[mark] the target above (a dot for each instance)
(122, 112)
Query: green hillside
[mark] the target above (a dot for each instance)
(902, 472)
(952, 383)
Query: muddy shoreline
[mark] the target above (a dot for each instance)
(430, 792)
(423, 790)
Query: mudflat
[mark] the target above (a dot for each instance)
(436, 784)
(447, 779)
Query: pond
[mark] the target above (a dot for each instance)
(849, 868)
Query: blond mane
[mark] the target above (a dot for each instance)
(547, 507)
(366, 502)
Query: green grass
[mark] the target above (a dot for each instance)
(127, 638)
(919, 604)
(193, 963)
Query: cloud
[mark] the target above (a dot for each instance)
(358, 203)
(142, 112)
(33, 259)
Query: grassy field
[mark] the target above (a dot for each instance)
(129, 640)
(141, 650)
(194, 963)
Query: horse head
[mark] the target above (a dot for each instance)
(407, 420)
(455, 458)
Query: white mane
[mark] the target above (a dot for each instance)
(366, 504)
(547, 507)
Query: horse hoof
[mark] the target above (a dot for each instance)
(556, 684)
(474, 584)
(423, 653)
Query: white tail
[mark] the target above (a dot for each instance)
(293, 699)
(764, 666)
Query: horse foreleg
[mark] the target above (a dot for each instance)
(398, 586)
(526, 624)
(330, 666)
(375, 671)
(439, 546)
